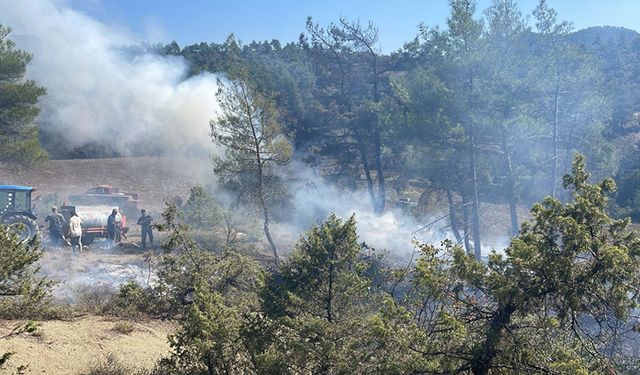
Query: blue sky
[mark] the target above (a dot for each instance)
(192, 21)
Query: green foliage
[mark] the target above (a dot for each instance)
(134, 302)
(22, 292)
(353, 90)
(535, 308)
(182, 267)
(323, 276)
(251, 135)
(324, 314)
(201, 211)
(253, 141)
(30, 327)
(552, 303)
(489, 108)
(213, 294)
(19, 142)
(208, 341)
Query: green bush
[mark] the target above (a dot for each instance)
(133, 301)
(23, 294)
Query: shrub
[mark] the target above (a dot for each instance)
(94, 298)
(124, 327)
(132, 301)
(23, 293)
(113, 366)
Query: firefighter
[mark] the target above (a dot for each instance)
(145, 228)
(56, 223)
(112, 227)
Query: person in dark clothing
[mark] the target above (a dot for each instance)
(56, 224)
(145, 228)
(112, 227)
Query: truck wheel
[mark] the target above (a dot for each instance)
(22, 226)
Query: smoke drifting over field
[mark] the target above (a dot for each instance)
(98, 92)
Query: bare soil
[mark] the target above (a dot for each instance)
(154, 178)
(73, 347)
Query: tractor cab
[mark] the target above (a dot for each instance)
(16, 212)
(15, 199)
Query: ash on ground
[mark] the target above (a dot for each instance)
(97, 267)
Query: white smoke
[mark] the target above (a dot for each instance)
(99, 92)
(393, 232)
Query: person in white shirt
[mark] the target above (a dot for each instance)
(75, 232)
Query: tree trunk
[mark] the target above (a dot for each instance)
(452, 217)
(267, 233)
(473, 171)
(367, 172)
(554, 173)
(511, 186)
(377, 142)
(465, 224)
(483, 358)
(265, 211)
(382, 196)
(475, 201)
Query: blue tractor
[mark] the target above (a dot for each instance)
(16, 212)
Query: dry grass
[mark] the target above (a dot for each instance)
(111, 365)
(82, 345)
(124, 327)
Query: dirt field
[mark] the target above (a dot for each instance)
(154, 178)
(70, 348)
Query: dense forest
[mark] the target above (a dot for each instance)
(499, 108)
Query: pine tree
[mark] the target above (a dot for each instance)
(253, 141)
(21, 288)
(19, 143)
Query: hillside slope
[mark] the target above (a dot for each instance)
(154, 178)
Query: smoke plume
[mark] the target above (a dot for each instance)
(101, 93)
(393, 232)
